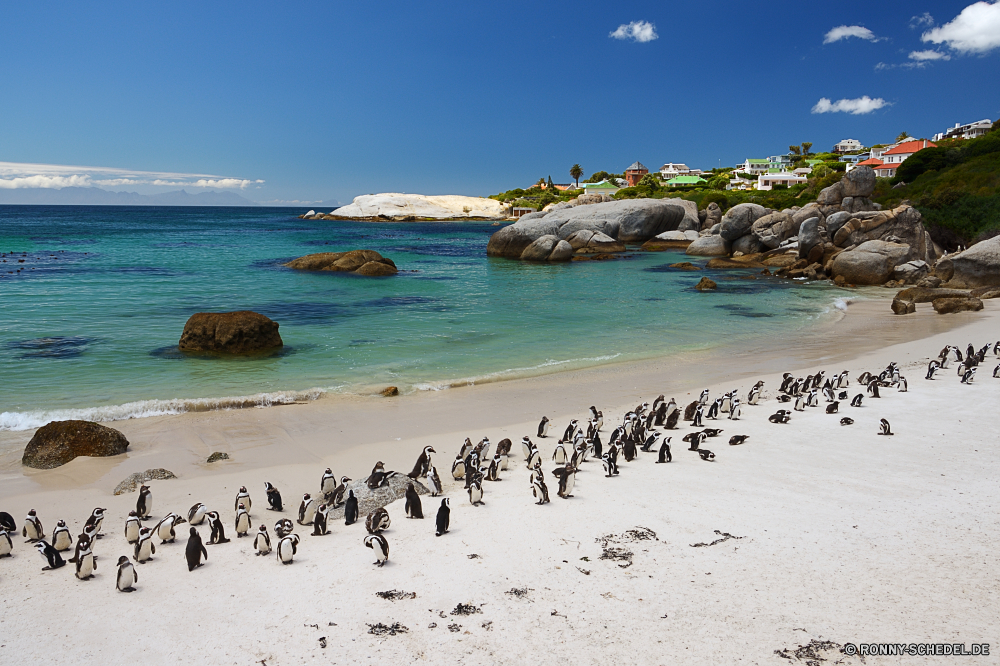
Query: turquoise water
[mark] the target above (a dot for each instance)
(93, 317)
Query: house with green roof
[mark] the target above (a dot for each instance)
(603, 187)
(685, 181)
(754, 166)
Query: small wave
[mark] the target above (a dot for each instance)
(510, 373)
(842, 303)
(146, 408)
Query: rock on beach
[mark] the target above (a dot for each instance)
(58, 442)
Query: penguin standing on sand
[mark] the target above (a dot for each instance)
(283, 528)
(903, 386)
(33, 530)
(543, 427)
(413, 508)
(570, 431)
(873, 388)
(287, 548)
(703, 398)
(378, 543)
(319, 520)
(61, 537)
(423, 463)
(884, 428)
(144, 504)
(443, 520)
(6, 545)
(132, 526)
(475, 488)
(307, 510)
(339, 492)
(328, 483)
(242, 521)
(699, 414)
(95, 521)
(7, 522)
(53, 560)
(996, 371)
(262, 542)
(434, 481)
(736, 410)
(86, 564)
(610, 465)
(127, 576)
(273, 497)
(672, 418)
(196, 514)
(82, 544)
(567, 479)
(351, 509)
(800, 403)
(493, 471)
(664, 453)
(242, 497)
(969, 375)
(165, 528)
(538, 488)
(144, 547)
(458, 467)
(559, 455)
(856, 401)
(218, 530)
(195, 550)
(833, 407)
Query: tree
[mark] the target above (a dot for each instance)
(575, 172)
(806, 145)
(903, 136)
(649, 181)
(795, 150)
(550, 185)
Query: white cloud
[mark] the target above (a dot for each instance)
(846, 31)
(928, 55)
(16, 175)
(903, 65)
(975, 30)
(923, 19)
(858, 106)
(637, 31)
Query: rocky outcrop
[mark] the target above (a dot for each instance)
(691, 221)
(911, 272)
(902, 225)
(927, 295)
(361, 262)
(706, 284)
(985, 293)
(811, 238)
(903, 307)
(739, 219)
(872, 262)
(774, 228)
(961, 304)
(548, 248)
(133, 481)
(858, 183)
(586, 241)
(709, 246)
(977, 266)
(670, 240)
(58, 442)
(401, 207)
(713, 216)
(241, 332)
(627, 221)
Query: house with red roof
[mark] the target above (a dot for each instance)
(892, 158)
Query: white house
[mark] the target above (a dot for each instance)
(767, 181)
(672, 170)
(603, 187)
(892, 158)
(737, 183)
(754, 166)
(970, 131)
(847, 146)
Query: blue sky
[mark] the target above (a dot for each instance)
(328, 100)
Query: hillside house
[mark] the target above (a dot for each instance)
(767, 181)
(847, 146)
(892, 158)
(634, 173)
(685, 181)
(603, 187)
(969, 131)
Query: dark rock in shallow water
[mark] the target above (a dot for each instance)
(241, 332)
(903, 307)
(361, 262)
(705, 284)
(59, 442)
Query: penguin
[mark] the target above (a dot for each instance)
(903, 386)
(961, 369)
(543, 427)
(132, 526)
(672, 418)
(833, 407)
(86, 564)
(713, 432)
(458, 467)
(969, 375)
(338, 492)
(650, 442)
(706, 455)
(471, 467)
(567, 479)
(996, 371)
(195, 550)
(443, 520)
(320, 519)
(378, 543)
(434, 480)
(377, 521)
(351, 509)
(467, 448)
(534, 459)
(413, 508)
(873, 388)
(53, 560)
(475, 489)
(570, 431)
(538, 488)
(287, 548)
(379, 477)
(89, 532)
(812, 400)
(781, 416)
(784, 397)
(726, 403)
(196, 514)
(699, 413)
(218, 530)
(599, 421)
(828, 394)
(664, 454)
(660, 414)
(82, 544)
(493, 470)
(844, 380)
(144, 547)
(856, 401)
(628, 450)
(242, 525)
(144, 504)
(696, 439)
(307, 510)
(753, 396)
(283, 528)
(713, 409)
(95, 520)
(736, 440)
(7, 522)
(32, 530)
(847, 420)
(423, 463)
(262, 542)
(703, 398)
(884, 428)
(165, 528)
(596, 446)
(864, 378)
(328, 483)
(242, 497)
(800, 404)
(610, 468)
(736, 410)
(61, 537)
(559, 455)
(6, 545)
(273, 497)
(127, 576)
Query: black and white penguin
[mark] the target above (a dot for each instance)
(800, 403)
(273, 497)
(699, 415)
(628, 450)
(242, 497)
(856, 401)
(847, 420)
(218, 530)
(538, 488)
(567, 479)
(32, 530)
(703, 398)
(144, 547)
(433, 481)
(706, 455)
(6, 545)
(471, 467)
(351, 509)
(610, 466)
(467, 448)
(493, 470)
(378, 544)
(735, 410)
(86, 564)
(82, 544)
(969, 375)
(884, 428)
(754, 395)
(379, 477)
(475, 489)
(559, 455)
(320, 519)
(570, 431)
(458, 467)
(307, 510)
(534, 458)
(132, 526)
(844, 380)
(833, 407)
(53, 560)
(664, 454)
(7, 522)
(903, 386)
(736, 440)
(127, 576)
(195, 550)
(443, 520)
(262, 542)
(596, 446)
(338, 493)
(726, 403)
(288, 547)
(377, 521)
(95, 521)
(283, 528)
(327, 483)
(672, 419)
(543, 427)
(423, 463)
(526, 446)
(61, 537)
(996, 371)
(713, 409)
(781, 416)
(165, 528)
(196, 514)
(242, 524)
(873, 388)
(650, 442)
(413, 507)
(144, 504)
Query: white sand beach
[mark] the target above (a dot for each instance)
(837, 534)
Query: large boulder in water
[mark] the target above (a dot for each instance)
(709, 246)
(978, 266)
(952, 305)
(361, 262)
(739, 219)
(774, 228)
(58, 442)
(548, 248)
(871, 262)
(399, 207)
(713, 216)
(811, 240)
(241, 332)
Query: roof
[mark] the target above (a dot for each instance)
(603, 185)
(753, 161)
(637, 166)
(811, 162)
(675, 165)
(686, 180)
(910, 147)
(872, 162)
(784, 175)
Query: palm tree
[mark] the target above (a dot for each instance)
(794, 150)
(575, 172)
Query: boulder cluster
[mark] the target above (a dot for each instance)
(360, 262)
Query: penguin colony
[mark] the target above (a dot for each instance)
(642, 430)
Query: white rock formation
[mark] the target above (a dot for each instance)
(394, 206)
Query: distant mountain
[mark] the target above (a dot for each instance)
(95, 196)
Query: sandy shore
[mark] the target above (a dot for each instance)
(844, 536)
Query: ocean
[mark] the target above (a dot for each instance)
(94, 299)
